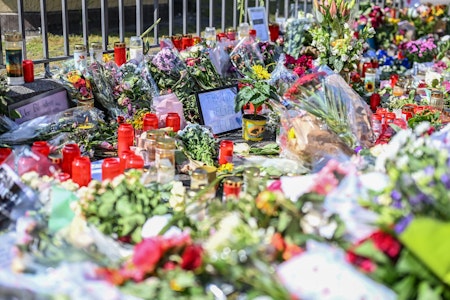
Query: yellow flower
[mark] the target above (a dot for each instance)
(399, 38)
(291, 134)
(260, 72)
(225, 168)
(340, 43)
(106, 57)
(175, 286)
(439, 12)
(73, 77)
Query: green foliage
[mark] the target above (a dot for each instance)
(120, 207)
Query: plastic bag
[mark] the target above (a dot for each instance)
(327, 96)
(49, 126)
(165, 104)
(281, 77)
(322, 273)
(303, 137)
(104, 77)
(77, 84)
(245, 55)
(220, 59)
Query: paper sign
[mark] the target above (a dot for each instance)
(44, 104)
(258, 20)
(217, 109)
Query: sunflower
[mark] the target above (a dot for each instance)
(260, 72)
(370, 86)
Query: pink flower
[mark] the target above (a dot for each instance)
(147, 254)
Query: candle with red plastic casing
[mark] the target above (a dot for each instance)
(375, 101)
(69, 153)
(225, 152)
(150, 122)
(135, 162)
(41, 147)
(81, 170)
(4, 154)
(124, 157)
(120, 53)
(125, 137)
(173, 120)
(110, 168)
(28, 70)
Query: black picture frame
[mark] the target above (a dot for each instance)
(216, 108)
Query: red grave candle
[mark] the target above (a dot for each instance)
(41, 147)
(226, 152)
(81, 170)
(173, 120)
(4, 154)
(110, 168)
(28, 70)
(69, 153)
(135, 162)
(150, 122)
(124, 157)
(125, 137)
(120, 53)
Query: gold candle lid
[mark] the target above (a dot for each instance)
(119, 45)
(79, 47)
(13, 36)
(165, 143)
(96, 46)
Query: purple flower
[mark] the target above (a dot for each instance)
(429, 171)
(418, 199)
(396, 195)
(402, 224)
(446, 180)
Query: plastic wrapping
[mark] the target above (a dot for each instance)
(303, 137)
(76, 83)
(245, 55)
(49, 126)
(322, 273)
(221, 59)
(104, 77)
(281, 77)
(327, 96)
(162, 105)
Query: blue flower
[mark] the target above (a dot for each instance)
(403, 223)
(429, 171)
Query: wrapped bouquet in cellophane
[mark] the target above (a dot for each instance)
(325, 117)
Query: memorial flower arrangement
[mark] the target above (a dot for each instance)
(134, 89)
(199, 144)
(422, 50)
(120, 207)
(76, 83)
(339, 46)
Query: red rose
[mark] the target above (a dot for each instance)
(367, 266)
(278, 242)
(192, 257)
(386, 243)
(147, 254)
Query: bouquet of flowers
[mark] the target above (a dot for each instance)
(245, 55)
(199, 144)
(77, 84)
(338, 46)
(422, 50)
(105, 78)
(134, 90)
(297, 35)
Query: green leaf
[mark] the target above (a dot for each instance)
(283, 221)
(123, 207)
(136, 235)
(105, 210)
(368, 249)
(425, 292)
(405, 288)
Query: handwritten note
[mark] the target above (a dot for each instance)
(217, 109)
(45, 104)
(258, 20)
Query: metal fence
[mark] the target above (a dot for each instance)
(221, 14)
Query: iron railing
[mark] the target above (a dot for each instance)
(217, 15)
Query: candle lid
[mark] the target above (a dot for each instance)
(119, 45)
(96, 46)
(13, 36)
(199, 173)
(79, 47)
(165, 143)
(233, 181)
